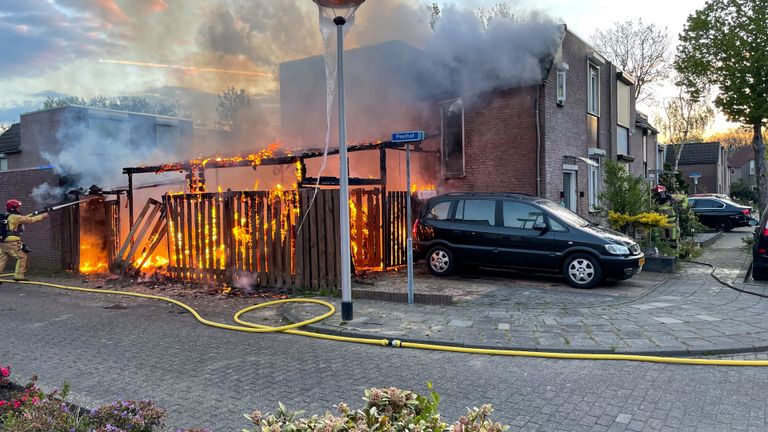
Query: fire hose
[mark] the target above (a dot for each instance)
(249, 327)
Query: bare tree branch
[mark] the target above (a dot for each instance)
(642, 50)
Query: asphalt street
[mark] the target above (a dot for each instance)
(209, 377)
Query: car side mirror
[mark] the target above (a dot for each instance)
(540, 226)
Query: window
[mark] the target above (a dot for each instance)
(477, 212)
(594, 185)
(593, 90)
(707, 204)
(556, 226)
(452, 145)
(3, 162)
(439, 211)
(521, 215)
(645, 149)
(561, 86)
(622, 140)
(751, 167)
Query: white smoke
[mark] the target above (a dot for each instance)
(472, 58)
(47, 195)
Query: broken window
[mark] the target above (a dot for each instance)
(452, 145)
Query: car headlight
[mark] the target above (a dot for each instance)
(617, 249)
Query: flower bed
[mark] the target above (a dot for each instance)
(29, 409)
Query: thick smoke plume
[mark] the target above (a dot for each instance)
(510, 52)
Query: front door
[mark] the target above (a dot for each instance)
(569, 190)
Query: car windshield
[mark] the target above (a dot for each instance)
(564, 214)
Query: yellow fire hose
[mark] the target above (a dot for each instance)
(249, 327)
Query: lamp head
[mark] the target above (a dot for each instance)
(339, 8)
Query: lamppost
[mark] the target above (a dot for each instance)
(340, 11)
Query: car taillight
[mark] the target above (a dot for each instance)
(416, 228)
(765, 232)
(746, 212)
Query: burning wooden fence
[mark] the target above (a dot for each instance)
(278, 239)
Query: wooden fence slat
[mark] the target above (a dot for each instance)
(323, 236)
(299, 248)
(261, 228)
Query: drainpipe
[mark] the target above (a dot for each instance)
(538, 141)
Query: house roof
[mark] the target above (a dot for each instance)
(10, 140)
(641, 121)
(741, 156)
(695, 153)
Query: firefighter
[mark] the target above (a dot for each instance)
(11, 246)
(668, 207)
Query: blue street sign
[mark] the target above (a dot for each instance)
(694, 174)
(408, 136)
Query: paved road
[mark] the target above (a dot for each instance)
(688, 313)
(209, 377)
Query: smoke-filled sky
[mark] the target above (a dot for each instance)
(190, 50)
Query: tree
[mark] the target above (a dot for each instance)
(684, 120)
(639, 49)
(498, 10)
(725, 44)
(233, 104)
(138, 104)
(734, 137)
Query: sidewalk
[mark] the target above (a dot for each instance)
(687, 313)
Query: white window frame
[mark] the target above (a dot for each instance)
(3, 162)
(645, 148)
(594, 184)
(593, 89)
(619, 130)
(562, 83)
(752, 167)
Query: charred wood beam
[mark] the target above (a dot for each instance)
(278, 160)
(334, 181)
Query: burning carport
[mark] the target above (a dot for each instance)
(278, 238)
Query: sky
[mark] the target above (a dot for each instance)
(191, 50)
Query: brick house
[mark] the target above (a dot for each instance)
(549, 137)
(706, 160)
(742, 166)
(23, 166)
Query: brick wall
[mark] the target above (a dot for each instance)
(564, 128)
(500, 143)
(43, 238)
(707, 181)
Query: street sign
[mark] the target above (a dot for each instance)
(411, 136)
(694, 175)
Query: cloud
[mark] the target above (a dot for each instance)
(36, 36)
(108, 10)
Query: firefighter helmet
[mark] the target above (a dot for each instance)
(12, 205)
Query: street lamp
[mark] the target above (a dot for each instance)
(340, 11)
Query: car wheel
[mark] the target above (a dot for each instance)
(440, 261)
(759, 274)
(723, 225)
(582, 271)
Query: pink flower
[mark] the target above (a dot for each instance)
(16, 404)
(5, 372)
(3, 402)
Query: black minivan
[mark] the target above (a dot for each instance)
(522, 232)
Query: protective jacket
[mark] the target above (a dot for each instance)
(16, 225)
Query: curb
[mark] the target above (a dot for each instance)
(711, 240)
(664, 352)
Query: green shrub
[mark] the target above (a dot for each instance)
(386, 410)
